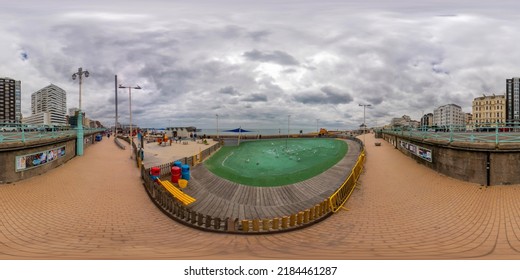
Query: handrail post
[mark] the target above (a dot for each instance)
(23, 133)
(496, 133)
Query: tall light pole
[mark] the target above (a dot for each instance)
(364, 122)
(288, 129)
(317, 130)
(79, 135)
(130, 109)
(217, 128)
(115, 92)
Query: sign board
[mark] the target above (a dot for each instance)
(419, 151)
(38, 159)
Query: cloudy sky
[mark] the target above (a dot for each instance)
(255, 62)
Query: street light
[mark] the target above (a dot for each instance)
(79, 126)
(217, 127)
(130, 108)
(317, 130)
(80, 74)
(364, 123)
(288, 129)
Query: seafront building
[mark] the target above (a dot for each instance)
(513, 101)
(468, 120)
(48, 106)
(489, 111)
(10, 101)
(427, 121)
(449, 116)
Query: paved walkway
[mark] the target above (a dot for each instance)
(94, 207)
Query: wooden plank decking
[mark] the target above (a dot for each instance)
(219, 197)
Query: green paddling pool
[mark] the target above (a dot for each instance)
(276, 162)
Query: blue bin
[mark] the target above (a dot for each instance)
(185, 175)
(185, 168)
(177, 163)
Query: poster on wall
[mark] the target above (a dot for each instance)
(419, 151)
(38, 159)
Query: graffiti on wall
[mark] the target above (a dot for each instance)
(38, 159)
(419, 151)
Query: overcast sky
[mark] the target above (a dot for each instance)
(255, 62)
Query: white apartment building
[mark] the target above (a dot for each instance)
(51, 100)
(449, 116)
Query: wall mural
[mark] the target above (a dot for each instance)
(421, 152)
(38, 159)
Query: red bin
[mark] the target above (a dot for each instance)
(155, 171)
(176, 174)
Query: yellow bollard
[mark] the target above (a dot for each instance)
(276, 223)
(311, 214)
(292, 220)
(306, 216)
(265, 224)
(284, 221)
(245, 225)
(317, 211)
(299, 218)
(256, 225)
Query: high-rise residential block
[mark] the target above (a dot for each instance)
(513, 101)
(48, 106)
(10, 101)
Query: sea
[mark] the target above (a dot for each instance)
(260, 131)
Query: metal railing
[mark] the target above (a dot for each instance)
(479, 133)
(338, 198)
(22, 133)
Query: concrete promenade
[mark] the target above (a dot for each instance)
(95, 207)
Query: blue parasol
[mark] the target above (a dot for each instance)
(239, 131)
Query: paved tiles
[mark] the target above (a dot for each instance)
(94, 207)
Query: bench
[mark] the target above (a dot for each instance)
(178, 194)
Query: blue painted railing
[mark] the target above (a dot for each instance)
(22, 133)
(484, 133)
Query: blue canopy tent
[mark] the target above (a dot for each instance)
(239, 131)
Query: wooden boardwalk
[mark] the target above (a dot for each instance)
(219, 197)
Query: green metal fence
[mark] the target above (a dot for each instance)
(22, 133)
(478, 133)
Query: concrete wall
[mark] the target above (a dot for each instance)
(9, 152)
(468, 161)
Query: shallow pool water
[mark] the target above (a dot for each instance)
(276, 162)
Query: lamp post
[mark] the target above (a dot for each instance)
(79, 135)
(288, 129)
(317, 130)
(115, 92)
(364, 122)
(130, 109)
(218, 138)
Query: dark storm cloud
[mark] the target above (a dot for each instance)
(259, 35)
(278, 57)
(229, 90)
(327, 95)
(255, 98)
